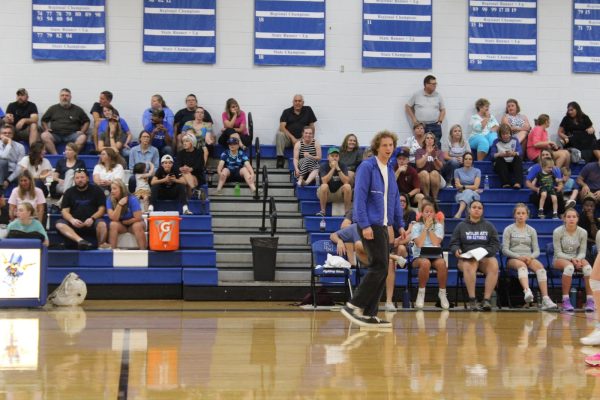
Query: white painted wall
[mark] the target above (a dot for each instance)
(355, 100)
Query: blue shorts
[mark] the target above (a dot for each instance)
(71, 137)
(349, 234)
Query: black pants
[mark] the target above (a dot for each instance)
(162, 192)
(371, 287)
(535, 199)
(509, 173)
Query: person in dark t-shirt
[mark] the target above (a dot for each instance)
(291, 125)
(23, 114)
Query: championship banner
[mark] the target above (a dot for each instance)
(68, 30)
(503, 35)
(289, 32)
(397, 34)
(586, 36)
(180, 31)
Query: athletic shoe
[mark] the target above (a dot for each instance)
(150, 208)
(354, 315)
(376, 323)
(104, 246)
(555, 216)
(486, 305)
(401, 261)
(548, 304)
(472, 305)
(187, 211)
(541, 214)
(566, 305)
(320, 213)
(593, 339)
(420, 302)
(570, 203)
(590, 305)
(390, 307)
(280, 162)
(84, 245)
(444, 303)
(528, 295)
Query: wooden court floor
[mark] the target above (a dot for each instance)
(208, 350)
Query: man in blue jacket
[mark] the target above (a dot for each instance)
(376, 205)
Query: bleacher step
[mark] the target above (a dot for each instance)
(236, 238)
(280, 276)
(244, 256)
(234, 206)
(276, 191)
(235, 221)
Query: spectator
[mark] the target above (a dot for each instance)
(521, 248)
(483, 129)
(570, 246)
(144, 152)
(114, 132)
(349, 244)
(351, 155)
(416, 141)
(161, 132)
(11, 152)
(466, 181)
(97, 112)
(108, 169)
(534, 197)
(24, 226)
(157, 103)
(38, 166)
(473, 233)
(577, 131)
(518, 123)
(201, 130)
(546, 184)
(408, 214)
(23, 114)
(429, 161)
(571, 189)
(189, 114)
(234, 125)
(26, 192)
(591, 224)
(439, 215)
(589, 181)
(190, 163)
(125, 215)
(83, 206)
(428, 233)
(63, 123)
(307, 156)
(291, 125)
(235, 166)
(168, 184)
(335, 183)
(506, 155)
(142, 186)
(457, 147)
(64, 172)
(537, 141)
(407, 177)
(427, 106)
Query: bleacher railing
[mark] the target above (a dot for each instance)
(257, 151)
(251, 134)
(272, 206)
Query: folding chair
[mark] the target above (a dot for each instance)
(550, 270)
(479, 281)
(327, 276)
(505, 275)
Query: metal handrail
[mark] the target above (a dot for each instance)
(273, 215)
(272, 206)
(257, 151)
(251, 134)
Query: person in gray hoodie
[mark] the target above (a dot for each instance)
(470, 234)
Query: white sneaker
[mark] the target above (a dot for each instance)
(390, 307)
(420, 302)
(444, 303)
(150, 208)
(528, 295)
(186, 210)
(593, 339)
(548, 304)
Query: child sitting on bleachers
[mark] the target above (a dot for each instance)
(142, 187)
(571, 190)
(546, 183)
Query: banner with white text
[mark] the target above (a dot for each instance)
(586, 36)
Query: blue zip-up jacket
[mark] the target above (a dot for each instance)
(368, 196)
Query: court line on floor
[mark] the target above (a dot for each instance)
(124, 373)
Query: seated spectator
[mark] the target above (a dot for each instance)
(291, 125)
(157, 103)
(506, 155)
(571, 189)
(234, 166)
(168, 184)
(64, 172)
(114, 132)
(537, 141)
(407, 177)
(576, 131)
(439, 215)
(142, 177)
(23, 114)
(144, 152)
(534, 197)
(63, 123)
(430, 160)
(190, 163)
(108, 169)
(125, 215)
(83, 207)
(97, 111)
(589, 181)
(188, 113)
(26, 192)
(349, 244)
(483, 129)
(351, 155)
(415, 142)
(546, 184)
(456, 148)
(201, 130)
(591, 224)
(521, 248)
(335, 183)
(464, 240)
(570, 246)
(234, 125)
(11, 152)
(307, 157)
(518, 123)
(161, 133)
(25, 227)
(466, 181)
(37, 165)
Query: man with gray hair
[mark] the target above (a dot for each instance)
(11, 152)
(23, 114)
(291, 125)
(63, 123)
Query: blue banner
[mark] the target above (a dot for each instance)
(503, 35)
(68, 30)
(289, 32)
(180, 31)
(396, 34)
(586, 36)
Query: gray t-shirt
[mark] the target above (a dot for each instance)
(427, 107)
(467, 176)
(518, 242)
(567, 246)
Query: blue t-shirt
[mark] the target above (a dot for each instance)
(159, 138)
(417, 229)
(133, 205)
(234, 162)
(349, 234)
(537, 168)
(103, 126)
(467, 177)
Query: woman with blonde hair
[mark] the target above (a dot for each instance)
(108, 168)
(26, 192)
(25, 226)
(429, 162)
(125, 215)
(457, 147)
(483, 129)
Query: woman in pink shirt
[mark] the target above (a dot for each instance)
(234, 124)
(537, 140)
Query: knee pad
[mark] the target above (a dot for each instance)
(541, 275)
(595, 285)
(587, 270)
(569, 269)
(522, 272)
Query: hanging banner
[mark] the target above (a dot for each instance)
(289, 32)
(396, 34)
(68, 30)
(503, 35)
(180, 31)
(586, 36)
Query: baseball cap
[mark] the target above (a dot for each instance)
(333, 150)
(403, 152)
(166, 157)
(232, 140)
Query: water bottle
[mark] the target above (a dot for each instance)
(406, 298)
(538, 299)
(322, 225)
(573, 296)
(486, 183)
(318, 180)
(236, 190)
(494, 299)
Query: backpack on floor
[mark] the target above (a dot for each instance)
(323, 298)
(71, 292)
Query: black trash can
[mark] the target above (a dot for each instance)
(264, 257)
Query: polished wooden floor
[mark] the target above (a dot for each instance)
(203, 350)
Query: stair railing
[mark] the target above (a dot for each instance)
(272, 206)
(257, 151)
